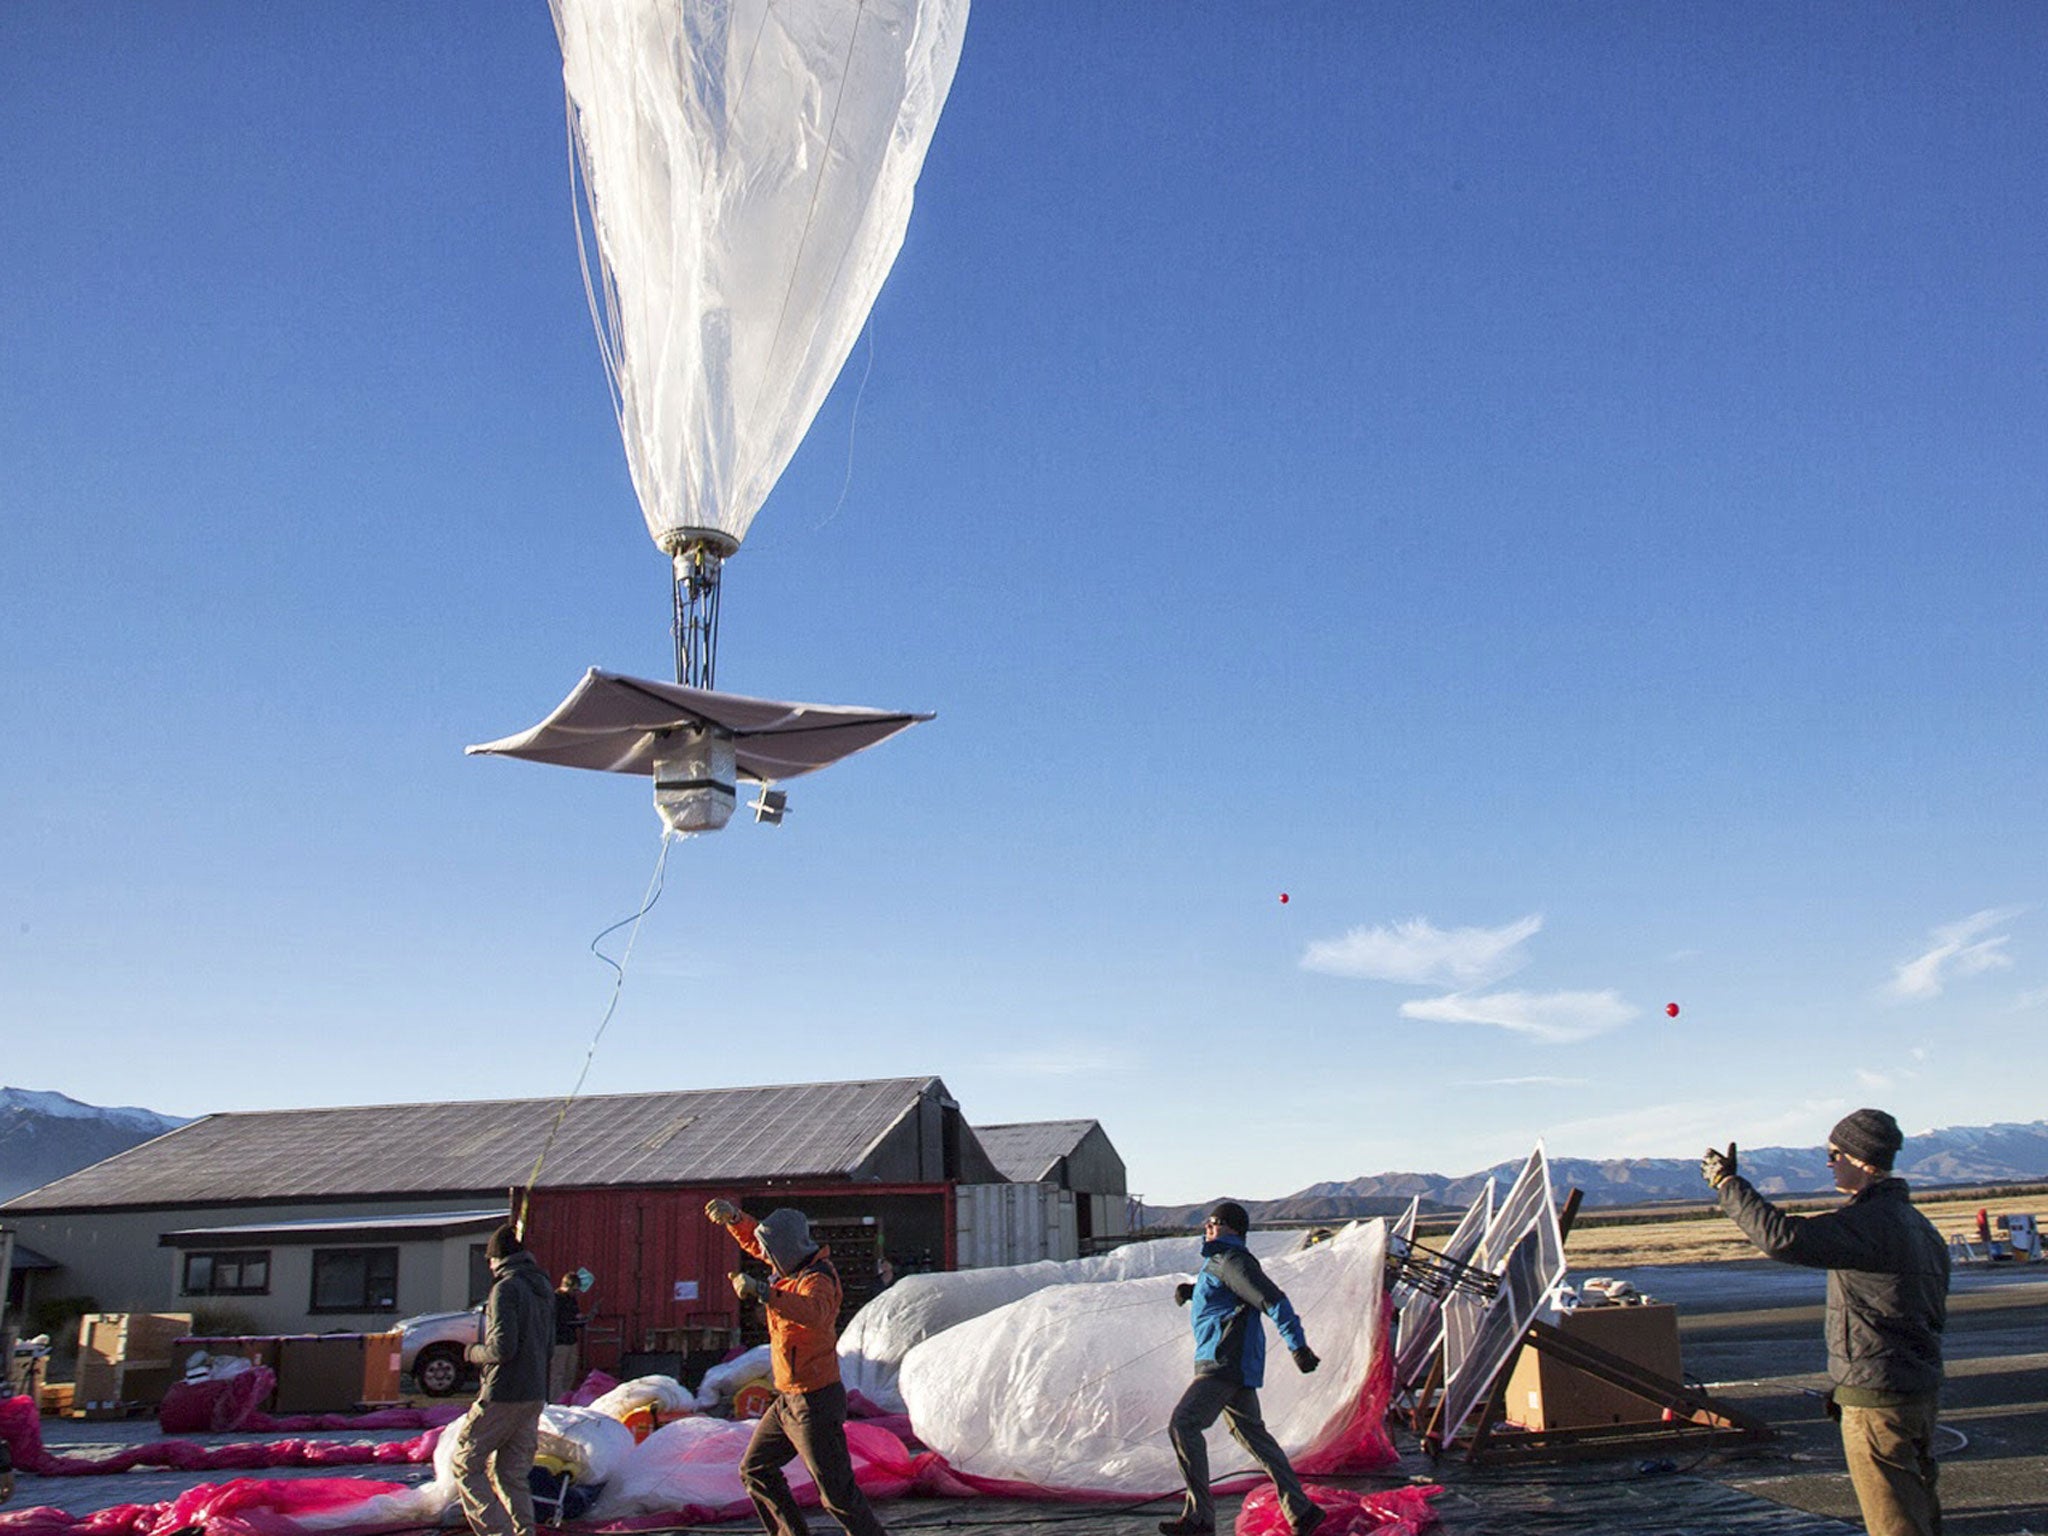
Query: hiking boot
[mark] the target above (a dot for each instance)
(1314, 1516)
(1183, 1526)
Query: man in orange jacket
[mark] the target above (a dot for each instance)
(808, 1416)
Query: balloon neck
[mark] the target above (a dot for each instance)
(698, 556)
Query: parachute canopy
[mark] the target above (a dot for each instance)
(748, 167)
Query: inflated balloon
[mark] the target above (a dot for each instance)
(1672, 1009)
(1283, 898)
(748, 167)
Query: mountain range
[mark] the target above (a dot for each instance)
(44, 1136)
(1965, 1155)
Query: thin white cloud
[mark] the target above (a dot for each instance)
(2026, 1002)
(1555, 1018)
(1966, 948)
(1421, 954)
(1523, 1082)
(1876, 1082)
(1057, 1063)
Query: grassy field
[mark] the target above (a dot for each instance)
(1602, 1240)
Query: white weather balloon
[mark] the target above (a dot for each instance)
(748, 166)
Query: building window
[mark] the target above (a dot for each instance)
(479, 1274)
(227, 1274)
(355, 1280)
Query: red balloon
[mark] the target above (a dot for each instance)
(1672, 1009)
(1283, 898)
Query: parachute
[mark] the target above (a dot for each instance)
(748, 169)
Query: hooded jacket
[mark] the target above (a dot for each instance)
(1887, 1285)
(519, 1332)
(1230, 1293)
(803, 1311)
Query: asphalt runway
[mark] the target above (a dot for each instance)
(1750, 1331)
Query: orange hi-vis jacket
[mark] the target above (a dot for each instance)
(803, 1317)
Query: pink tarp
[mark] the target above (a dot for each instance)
(1347, 1511)
(885, 1466)
(23, 1433)
(221, 1407)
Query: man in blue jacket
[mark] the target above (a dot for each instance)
(1226, 1299)
(1887, 1303)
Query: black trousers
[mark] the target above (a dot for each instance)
(1207, 1399)
(811, 1425)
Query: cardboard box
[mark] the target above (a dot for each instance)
(1548, 1394)
(335, 1372)
(127, 1357)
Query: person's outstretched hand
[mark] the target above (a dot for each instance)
(1306, 1360)
(1717, 1168)
(724, 1212)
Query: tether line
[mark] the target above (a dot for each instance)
(654, 887)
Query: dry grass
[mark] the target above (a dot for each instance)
(1710, 1238)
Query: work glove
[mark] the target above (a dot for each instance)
(1183, 1293)
(477, 1354)
(1717, 1168)
(1306, 1360)
(724, 1212)
(749, 1286)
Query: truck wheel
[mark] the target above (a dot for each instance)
(438, 1369)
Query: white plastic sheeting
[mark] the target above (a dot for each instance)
(594, 1446)
(694, 1461)
(749, 168)
(872, 1348)
(661, 1392)
(727, 1377)
(1071, 1387)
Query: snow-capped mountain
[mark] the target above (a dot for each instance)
(44, 1136)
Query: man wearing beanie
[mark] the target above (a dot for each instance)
(496, 1440)
(1887, 1301)
(1225, 1301)
(808, 1417)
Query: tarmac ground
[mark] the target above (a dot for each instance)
(1750, 1332)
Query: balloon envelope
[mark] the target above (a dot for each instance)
(748, 167)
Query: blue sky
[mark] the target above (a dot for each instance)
(1557, 491)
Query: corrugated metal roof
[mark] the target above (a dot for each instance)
(738, 1135)
(447, 1221)
(1027, 1151)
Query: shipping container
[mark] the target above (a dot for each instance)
(997, 1224)
(662, 1296)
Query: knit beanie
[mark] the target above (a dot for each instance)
(504, 1243)
(1870, 1136)
(1232, 1215)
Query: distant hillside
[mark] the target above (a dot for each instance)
(44, 1136)
(1987, 1154)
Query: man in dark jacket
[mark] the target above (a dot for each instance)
(496, 1440)
(1887, 1302)
(1226, 1299)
